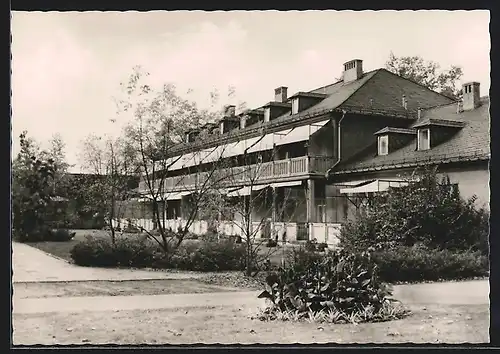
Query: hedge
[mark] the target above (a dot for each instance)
(417, 263)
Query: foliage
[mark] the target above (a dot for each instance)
(337, 281)
(139, 251)
(427, 73)
(427, 211)
(271, 243)
(388, 312)
(221, 255)
(59, 235)
(419, 263)
(313, 246)
(32, 191)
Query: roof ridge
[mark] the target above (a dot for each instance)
(404, 78)
(341, 80)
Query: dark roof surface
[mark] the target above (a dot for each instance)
(376, 91)
(472, 142)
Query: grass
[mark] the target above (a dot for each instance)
(114, 288)
(226, 325)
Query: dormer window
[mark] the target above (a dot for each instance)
(424, 139)
(383, 145)
(295, 105)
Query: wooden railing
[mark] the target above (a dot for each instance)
(266, 171)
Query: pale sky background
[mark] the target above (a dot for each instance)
(66, 67)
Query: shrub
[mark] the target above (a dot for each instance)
(320, 247)
(271, 243)
(210, 256)
(94, 252)
(140, 252)
(428, 211)
(336, 282)
(419, 263)
(60, 235)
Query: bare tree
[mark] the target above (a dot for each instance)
(108, 159)
(156, 137)
(242, 195)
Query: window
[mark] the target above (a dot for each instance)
(423, 142)
(295, 105)
(383, 145)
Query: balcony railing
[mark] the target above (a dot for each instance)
(263, 172)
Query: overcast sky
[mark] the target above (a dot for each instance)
(66, 67)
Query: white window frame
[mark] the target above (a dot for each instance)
(419, 142)
(295, 105)
(383, 138)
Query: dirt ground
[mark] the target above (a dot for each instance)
(427, 324)
(113, 288)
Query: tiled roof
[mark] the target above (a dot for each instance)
(472, 142)
(376, 92)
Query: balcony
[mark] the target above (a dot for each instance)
(259, 173)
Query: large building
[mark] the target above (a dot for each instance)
(305, 159)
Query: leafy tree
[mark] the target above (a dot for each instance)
(32, 191)
(428, 211)
(427, 73)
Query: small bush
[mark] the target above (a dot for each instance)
(94, 252)
(210, 256)
(60, 235)
(320, 247)
(337, 282)
(271, 243)
(419, 263)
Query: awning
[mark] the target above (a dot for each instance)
(286, 184)
(287, 136)
(373, 187)
(354, 183)
(301, 133)
(258, 143)
(176, 195)
(239, 192)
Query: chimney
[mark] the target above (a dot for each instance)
(280, 94)
(353, 70)
(243, 121)
(404, 102)
(459, 107)
(471, 95)
(419, 112)
(229, 111)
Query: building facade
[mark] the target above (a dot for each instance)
(299, 159)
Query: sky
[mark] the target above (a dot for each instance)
(67, 66)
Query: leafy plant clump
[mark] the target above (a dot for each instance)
(337, 287)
